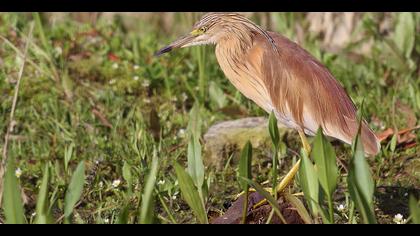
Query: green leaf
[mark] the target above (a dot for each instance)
(360, 183)
(275, 138)
(405, 30)
(308, 179)
(300, 208)
(273, 130)
(126, 171)
(414, 210)
(12, 200)
(245, 173)
(123, 216)
(393, 144)
(42, 214)
(194, 124)
(147, 204)
(68, 152)
(245, 165)
(190, 194)
(74, 191)
(325, 160)
(195, 162)
(326, 166)
(217, 95)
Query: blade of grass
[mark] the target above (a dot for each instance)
(42, 214)
(190, 194)
(45, 44)
(68, 152)
(245, 173)
(414, 210)
(126, 171)
(309, 183)
(360, 183)
(146, 211)
(325, 160)
(300, 208)
(194, 124)
(165, 207)
(195, 162)
(13, 206)
(123, 216)
(74, 191)
(275, 138)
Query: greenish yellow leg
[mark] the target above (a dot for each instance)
(305, 142)
(291, 174)
(252, 190)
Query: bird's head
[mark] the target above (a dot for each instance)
(212, 28)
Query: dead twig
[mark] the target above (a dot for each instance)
(12, 112)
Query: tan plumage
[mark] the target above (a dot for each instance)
(280, 76)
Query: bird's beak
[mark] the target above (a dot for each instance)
(179, 43)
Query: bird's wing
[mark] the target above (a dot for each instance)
(303, 90)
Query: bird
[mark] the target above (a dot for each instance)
(280, 77)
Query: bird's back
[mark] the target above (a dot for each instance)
(301, 91)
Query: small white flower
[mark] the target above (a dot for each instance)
(116, 183)
(115, 66)
(146, 83)
(399, 219)
(174, 197)
(18, 172)
(146, 100)
(33, 214)
(101, 184)
(136, 78)
(181, 133)
(136, 67)
(341, 207)
(160, 182)
(113, 81)
(106, 220)
(184, 97)
(58, 51)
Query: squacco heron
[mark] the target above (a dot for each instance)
(280, 77)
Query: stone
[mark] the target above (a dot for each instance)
(228, 136)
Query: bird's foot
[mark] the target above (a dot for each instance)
(288, 179)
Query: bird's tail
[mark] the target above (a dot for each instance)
(370, 142)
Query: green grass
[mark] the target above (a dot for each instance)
(94, 94)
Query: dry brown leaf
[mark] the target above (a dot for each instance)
(385, 134)
(101, 117)
(405, 137)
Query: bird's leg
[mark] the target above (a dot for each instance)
(291, 174)
(305, 142)
(251, 190)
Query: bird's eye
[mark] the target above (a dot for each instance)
(203, 29)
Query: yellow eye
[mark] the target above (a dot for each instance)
(202, 29)
(199, 31)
